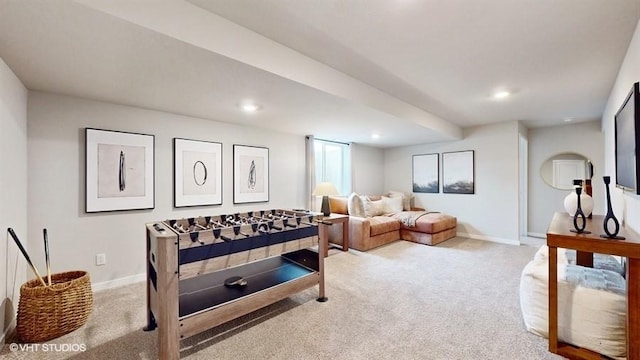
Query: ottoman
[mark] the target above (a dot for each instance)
(430, 229)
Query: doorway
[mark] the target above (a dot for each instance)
(523, 164)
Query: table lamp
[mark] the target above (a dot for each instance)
(325, 189)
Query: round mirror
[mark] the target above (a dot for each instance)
(560, 170)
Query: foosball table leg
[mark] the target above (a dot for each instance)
(151, 322)
(168, 334)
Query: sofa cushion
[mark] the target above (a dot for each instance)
(338, 205)
(355, 206)
(406, 198)
(373, 208)
(392, 205)
(383, 224)
(427, 239)
(432, 223)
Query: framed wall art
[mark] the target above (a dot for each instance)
(250, 174)
(119, 171)
(458, 172)
(426, 173)
(197, 173)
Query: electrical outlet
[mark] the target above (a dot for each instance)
(101, 259)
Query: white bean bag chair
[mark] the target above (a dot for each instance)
(600, 261)
(543, 254)
(591, 305)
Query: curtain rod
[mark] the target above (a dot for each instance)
(331, 141)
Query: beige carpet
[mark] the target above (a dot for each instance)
(456, 300)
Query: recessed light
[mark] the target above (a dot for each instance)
(501, 95)
(568, 119)
(248, 107)
(375, 136)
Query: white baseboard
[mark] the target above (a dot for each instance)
(105, 285)
(489, 238)
(537, 235)
(7, 331)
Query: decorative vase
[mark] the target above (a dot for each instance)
(610, 216)
(571, 203)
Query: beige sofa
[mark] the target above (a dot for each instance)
(368, 232)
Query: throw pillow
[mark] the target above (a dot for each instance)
(338, 205)
(392, 205)
(355, 205)
(373, 208)
(406, 198)
(407, 202)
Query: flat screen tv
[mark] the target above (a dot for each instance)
(627, 135)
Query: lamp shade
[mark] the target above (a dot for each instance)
(325, 189)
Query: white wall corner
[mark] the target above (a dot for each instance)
(488, 238)
(537, 235)
(111, 284)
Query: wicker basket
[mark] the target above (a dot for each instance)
(45, 313)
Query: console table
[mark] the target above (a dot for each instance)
(560, 236)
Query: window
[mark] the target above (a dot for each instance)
(333, 164)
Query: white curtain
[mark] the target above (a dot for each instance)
(310, 172)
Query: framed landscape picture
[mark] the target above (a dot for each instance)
(119, 171)
(458, 172)
(250, 174)
(426, 173)
(197, 173)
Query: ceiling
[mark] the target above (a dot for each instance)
(411, 71)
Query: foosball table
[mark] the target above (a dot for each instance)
(205, 271)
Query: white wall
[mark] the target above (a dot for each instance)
(368, 169)
(56, 180)
(581, 138)
(492, 212)
(13, 192)
(626, 205)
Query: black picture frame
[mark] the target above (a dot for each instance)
(627, 142)
(426, 173)
(458, 172)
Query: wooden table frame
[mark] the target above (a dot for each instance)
(338, 219)
(559, 236)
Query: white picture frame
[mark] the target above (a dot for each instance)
(197, 173)
(119, 171)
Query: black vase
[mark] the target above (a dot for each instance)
(610, 215)
(579, 217)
